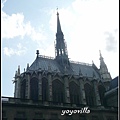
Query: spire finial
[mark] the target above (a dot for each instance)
(37, 52)
(100, 53)
(24, 69)
(57, 11)
(16, 73)
(101, 58)
(27, 66)
(18, 69)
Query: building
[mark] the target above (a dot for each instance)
(51, 85)
(111, 96)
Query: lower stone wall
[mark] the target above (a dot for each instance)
(11, 111)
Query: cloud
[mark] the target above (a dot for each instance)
(14, 25)
(111, 42)
(20, 50)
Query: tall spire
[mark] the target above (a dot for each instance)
(60, 47)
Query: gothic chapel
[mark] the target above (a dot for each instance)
(61, 81)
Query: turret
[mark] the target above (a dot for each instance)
(105, 75)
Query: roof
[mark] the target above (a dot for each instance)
(113, 89)
(45, 63)
(114, 83)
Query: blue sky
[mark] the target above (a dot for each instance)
(27, 25)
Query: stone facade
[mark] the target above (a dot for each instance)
(67, 81)
(49, 85)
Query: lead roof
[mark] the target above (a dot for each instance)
(43, 62)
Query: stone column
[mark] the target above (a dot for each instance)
(40, 86)
(49, 87)
(28, 86)
(17, 86)
(66, 89)
(18, 83)
(15, 89)
(82, 91)
(97, 97)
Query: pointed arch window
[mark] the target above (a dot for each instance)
(44, 89)
(74, 93)
(34, 88)
(89, 94)
(58, 91)
(101, 90)
(23, 89)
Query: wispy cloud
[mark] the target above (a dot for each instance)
(111, 42)
(14, 25)
(20, 50)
